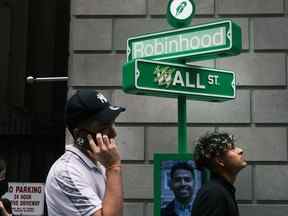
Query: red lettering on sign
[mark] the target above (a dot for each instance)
(27, 189)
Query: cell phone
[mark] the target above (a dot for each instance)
(82, 141)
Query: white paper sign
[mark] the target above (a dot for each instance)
(27, 199)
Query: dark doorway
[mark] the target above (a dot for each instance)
(35, 43)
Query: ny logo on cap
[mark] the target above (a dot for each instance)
(102, 98)
(114, 108)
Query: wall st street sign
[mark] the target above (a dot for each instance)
(149, 77)
(217, 39)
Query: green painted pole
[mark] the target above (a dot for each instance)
(182, 125)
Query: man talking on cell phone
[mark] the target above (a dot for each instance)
(86, 180)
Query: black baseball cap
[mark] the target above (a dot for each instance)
(86, 103)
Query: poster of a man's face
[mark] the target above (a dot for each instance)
(176, 182)
(182, 182)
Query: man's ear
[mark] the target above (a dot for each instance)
(75, 132)
(219, 162)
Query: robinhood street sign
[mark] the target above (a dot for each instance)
(218, 39)
(171, 80)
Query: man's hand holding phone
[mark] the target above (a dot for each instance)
(104, 150)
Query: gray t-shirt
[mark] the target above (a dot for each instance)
(75, 185)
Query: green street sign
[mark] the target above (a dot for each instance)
(147, 77)
(218, 39)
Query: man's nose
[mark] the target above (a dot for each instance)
(182, 181)
(240, 151)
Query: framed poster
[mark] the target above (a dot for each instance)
(176, 183)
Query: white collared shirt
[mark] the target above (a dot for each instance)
(75, 185)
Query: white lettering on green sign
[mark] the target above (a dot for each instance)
(182, 42)
(179, 80)
(168, 76)
(213, 79)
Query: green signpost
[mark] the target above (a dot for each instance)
(218, 39)
(166, 79)
(156, 66)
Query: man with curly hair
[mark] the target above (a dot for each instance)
(217, 152)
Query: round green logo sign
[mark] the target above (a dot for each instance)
(180, 12)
